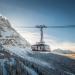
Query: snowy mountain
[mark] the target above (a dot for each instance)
(60, 51)
(9, 37)
(16, 57)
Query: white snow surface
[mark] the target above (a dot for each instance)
(2, 61)
(31, 71)
(17, 50)
(23, 52)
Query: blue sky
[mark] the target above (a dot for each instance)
(48, 12)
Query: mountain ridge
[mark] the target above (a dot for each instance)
(10, 35)
(61, 51)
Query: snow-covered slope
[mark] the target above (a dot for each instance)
(9, 38)
(10, 64)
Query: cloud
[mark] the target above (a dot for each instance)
(62, 45)
(34, 37)
(31, 37)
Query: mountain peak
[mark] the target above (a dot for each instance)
(4, 21)
(3, 17)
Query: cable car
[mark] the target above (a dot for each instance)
(40, 46)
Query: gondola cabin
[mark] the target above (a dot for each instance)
(40, 47)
